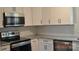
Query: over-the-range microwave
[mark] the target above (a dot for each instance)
(13, 19)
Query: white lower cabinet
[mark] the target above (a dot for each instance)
(75, 46)
(42, 45)
(34, 44)
(0, 48)
(45, 44)
(5, 48)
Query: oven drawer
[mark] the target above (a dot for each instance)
(45, 40)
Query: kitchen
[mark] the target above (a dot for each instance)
(43, 28)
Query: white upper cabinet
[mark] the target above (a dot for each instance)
(19, 10)
(7, 9)
(52, 15)
(37, 15)
(45, 15)
(28, 16)
(13, 9)
(1, 17)
(61, 15)
(42, 15)
(27, 12)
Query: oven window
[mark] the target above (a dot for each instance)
(62, 45)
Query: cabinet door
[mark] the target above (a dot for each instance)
(28, 16)
(46, 15)
(19, 10)
(0, 48)
(61, 15)
(1, 17)
(45, 45)
(3, 9)
(37, 15)
(13, 9)
(34, 44)
(7, 9)
(75, 46)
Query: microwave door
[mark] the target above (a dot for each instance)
(10, 21)
(19, 21)
(16, 20)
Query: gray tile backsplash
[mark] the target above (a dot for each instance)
(62, 29)
(24, 31)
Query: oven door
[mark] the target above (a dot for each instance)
(62, 45)
(23, 45)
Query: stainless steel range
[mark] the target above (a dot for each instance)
(9, 36)
(14, 41)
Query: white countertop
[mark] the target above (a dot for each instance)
(70, 38)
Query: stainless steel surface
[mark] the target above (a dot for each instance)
(15, 25)
(14, 14)
(21, 43)
(13, 19)
(3, 43)
(9, 33)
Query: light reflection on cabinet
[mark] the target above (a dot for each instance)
(37, 15)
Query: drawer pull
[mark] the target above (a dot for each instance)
(49, 21)
(41, 21)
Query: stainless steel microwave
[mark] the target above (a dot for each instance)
(13, 19)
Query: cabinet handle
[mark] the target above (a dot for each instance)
(59, 20)
(45, 47)
(14, 8)
(45, 40)
(49, 21)
(41, 21)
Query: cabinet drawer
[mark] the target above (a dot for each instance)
(45, 40)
